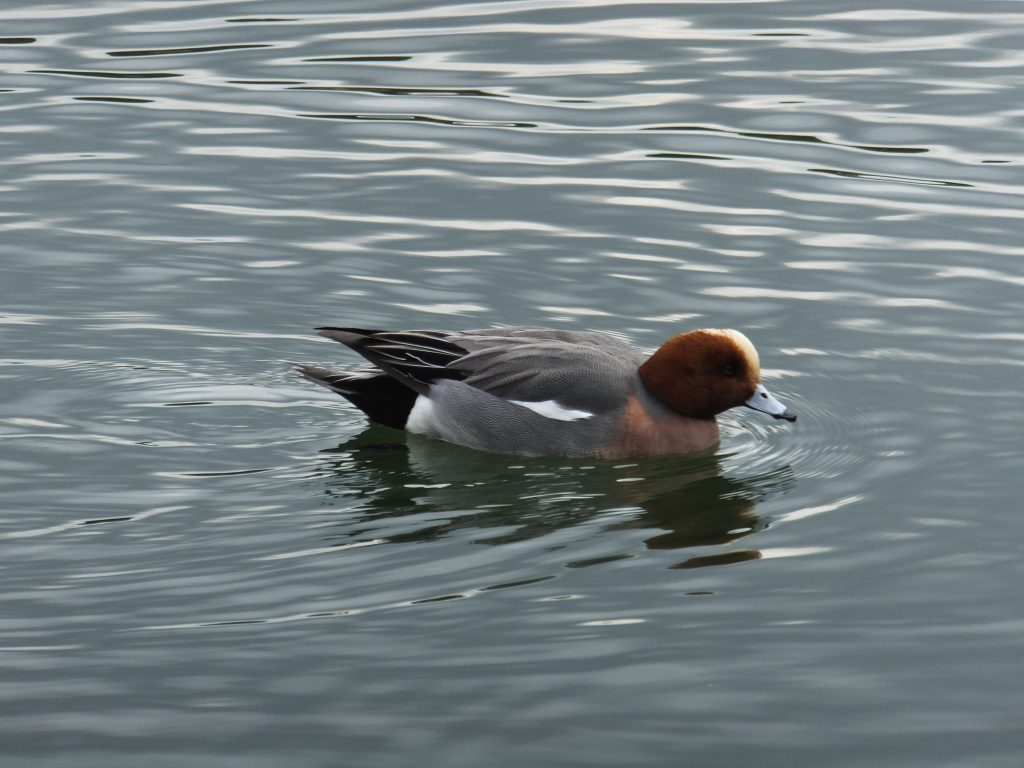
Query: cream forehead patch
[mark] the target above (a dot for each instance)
(742, 343)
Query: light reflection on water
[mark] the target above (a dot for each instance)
(195, 540)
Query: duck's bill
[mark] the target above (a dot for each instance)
(763, 400)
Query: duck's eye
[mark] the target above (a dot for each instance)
(730, 369)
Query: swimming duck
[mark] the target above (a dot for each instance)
(543, 392)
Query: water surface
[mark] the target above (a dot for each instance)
(209, 562)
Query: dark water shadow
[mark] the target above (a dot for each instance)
(411, 489)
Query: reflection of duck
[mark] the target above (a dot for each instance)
(710, 511)
(540, 392)
(421, 491)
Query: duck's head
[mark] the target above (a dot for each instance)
(704, 372)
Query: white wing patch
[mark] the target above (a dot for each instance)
(552, 409)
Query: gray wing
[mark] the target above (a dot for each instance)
(528, 333)
(588, 377)
(586, 370)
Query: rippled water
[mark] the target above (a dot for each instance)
(208, 561)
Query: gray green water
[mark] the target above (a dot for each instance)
(207, 562)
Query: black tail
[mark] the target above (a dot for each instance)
(382, 398)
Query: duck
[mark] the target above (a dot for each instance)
(546, 392)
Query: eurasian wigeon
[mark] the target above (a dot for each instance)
(542, 392)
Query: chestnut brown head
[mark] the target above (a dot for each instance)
(704, 372)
